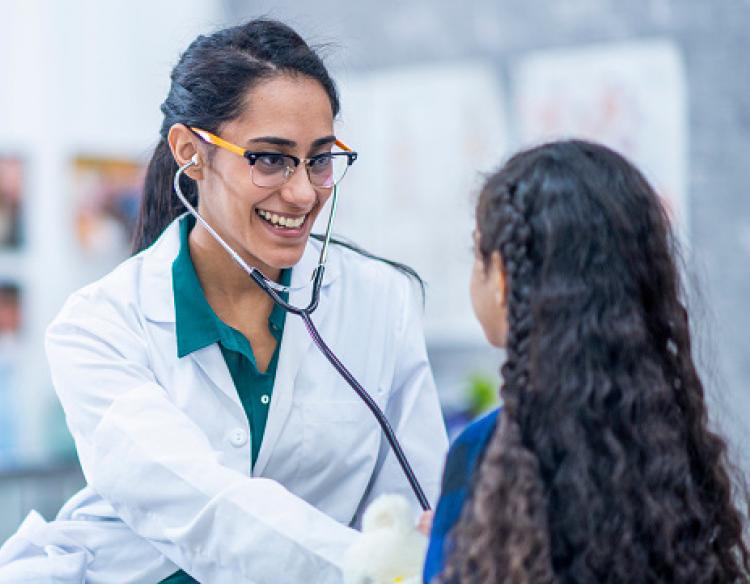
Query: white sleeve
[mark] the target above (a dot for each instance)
(413, 410)
(157, 469)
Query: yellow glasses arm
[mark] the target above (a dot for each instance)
(220, 142)
(343, 146)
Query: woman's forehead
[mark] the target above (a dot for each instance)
(292, 107)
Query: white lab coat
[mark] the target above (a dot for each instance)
(164, 442)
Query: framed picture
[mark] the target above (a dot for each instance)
(10, 310)
(10, 352)
(631, 96)
(108, 192)
(11, 189)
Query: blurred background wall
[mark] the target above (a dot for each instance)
(434, 93)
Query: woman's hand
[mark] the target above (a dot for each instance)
(424, 526)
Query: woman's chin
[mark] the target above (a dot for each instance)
(282, 261)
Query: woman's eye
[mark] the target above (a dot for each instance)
(271, 161)
(321, 161)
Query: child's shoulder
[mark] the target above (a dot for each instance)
(463, 460)
(467, 450)
(479, 431)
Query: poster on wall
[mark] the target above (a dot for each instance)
(424, 136)
(630, 96)
(11, 190)
(10, 326)
(107, 193)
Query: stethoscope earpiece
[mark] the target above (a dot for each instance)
(196, 159)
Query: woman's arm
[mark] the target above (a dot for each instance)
(158, 470)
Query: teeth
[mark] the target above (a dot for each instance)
(275, 219)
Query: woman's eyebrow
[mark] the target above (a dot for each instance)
(323, 141)
(277, 141)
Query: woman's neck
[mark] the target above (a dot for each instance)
(221, 278)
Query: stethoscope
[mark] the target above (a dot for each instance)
(273, 289)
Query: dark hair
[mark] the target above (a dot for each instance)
(209, 85)
(602, 467)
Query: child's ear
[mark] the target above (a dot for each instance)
(497, 277)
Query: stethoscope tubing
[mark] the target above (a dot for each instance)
(305, 315)
(390, 435)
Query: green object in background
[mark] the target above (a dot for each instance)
(483, 393)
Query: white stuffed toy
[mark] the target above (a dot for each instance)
(390, 549)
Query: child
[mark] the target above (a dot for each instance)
(599, 466)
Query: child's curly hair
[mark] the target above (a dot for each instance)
(602, 468)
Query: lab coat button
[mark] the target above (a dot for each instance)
(238, 437)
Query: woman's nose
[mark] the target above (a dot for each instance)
(298, 190)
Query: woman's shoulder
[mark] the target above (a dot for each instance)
(360, 268)
(376, 282)
(362, 263)
(146, 275)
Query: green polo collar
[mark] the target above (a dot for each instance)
(197, 325)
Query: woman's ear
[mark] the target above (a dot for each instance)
(497, 278)
(184, 146)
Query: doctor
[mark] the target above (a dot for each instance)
(218, 444)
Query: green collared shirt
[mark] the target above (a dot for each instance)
(198, 326)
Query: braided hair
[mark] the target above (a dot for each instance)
(602, 467)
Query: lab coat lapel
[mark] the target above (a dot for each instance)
(155, 289)
(295, 345)
(212, 362)
(157, 302)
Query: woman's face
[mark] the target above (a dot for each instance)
(488, 295)
(287, 115)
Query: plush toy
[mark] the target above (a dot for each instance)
(390, 549)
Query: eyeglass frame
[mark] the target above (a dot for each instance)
(253, 156)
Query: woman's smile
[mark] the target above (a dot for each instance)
(287, 225)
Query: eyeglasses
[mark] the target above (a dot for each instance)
(273, 169)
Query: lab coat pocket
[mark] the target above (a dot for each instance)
(340, 440)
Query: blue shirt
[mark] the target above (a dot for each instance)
(462, 462)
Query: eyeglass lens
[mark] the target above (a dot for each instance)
(273, 170)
